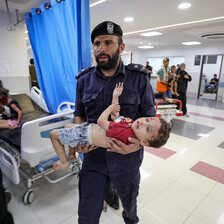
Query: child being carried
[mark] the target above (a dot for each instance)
(150, 131)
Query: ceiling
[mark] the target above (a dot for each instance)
(152, 15)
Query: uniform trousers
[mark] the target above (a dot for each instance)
(92, 186)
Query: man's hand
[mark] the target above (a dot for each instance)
(85, 149)
(119, 147)
(186, 76)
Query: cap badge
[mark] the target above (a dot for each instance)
(110, 28)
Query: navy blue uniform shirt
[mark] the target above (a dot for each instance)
(94, 94)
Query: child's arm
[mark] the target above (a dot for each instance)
(116, 93)
(20, 114)
(103, 119)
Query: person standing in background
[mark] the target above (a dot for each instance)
(33, 74)
(182, 83)
(149, 69)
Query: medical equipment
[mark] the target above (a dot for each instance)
(167, 110)
(31, 144)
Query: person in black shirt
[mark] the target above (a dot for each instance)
(212, 84)
(182, 83)
(149, 69)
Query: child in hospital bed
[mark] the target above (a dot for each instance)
(10, 110)
(151, 131)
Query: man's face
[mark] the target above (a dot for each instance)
(146, 128)
(107, 51)
(166, 63)
(215, 76)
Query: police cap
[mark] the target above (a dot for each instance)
(106, 28)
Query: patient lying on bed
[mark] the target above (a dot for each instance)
(151, 131)
(10, 110)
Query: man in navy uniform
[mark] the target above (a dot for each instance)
(121, 162)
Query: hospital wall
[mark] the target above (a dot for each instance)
(14, 70)
(189, 52)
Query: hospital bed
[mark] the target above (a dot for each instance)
(31, 145)
(166, 110)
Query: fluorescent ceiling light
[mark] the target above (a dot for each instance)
(191, 43)
(128, 19)
(97, 3)
(150, 34)
(175, 25)
(184, 5)
(145, 47)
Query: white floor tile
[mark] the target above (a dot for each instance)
(209, 211)
(157, 182)
(194, 220)
(145, 195)
(150, 161)
(161, 211)
(26, 216)
(217, 193)
(197, 182)
(56, 209)
(71, 220)
(170, 169)
(182, 196)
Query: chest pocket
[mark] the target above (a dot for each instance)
(92, 105)
(129, 102)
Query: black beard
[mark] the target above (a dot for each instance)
(111, 63)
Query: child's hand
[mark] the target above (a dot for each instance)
(115, 108)
(118, 89)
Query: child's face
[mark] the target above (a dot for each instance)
(146, 128)
(173, 69)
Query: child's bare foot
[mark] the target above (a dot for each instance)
(177, 94)
(59, 166)
(71, 157)
(170, 100)
(173, 92)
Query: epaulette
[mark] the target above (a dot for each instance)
(137, 67)
(83, 72)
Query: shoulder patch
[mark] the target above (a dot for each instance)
(83, 72)
(137, 67)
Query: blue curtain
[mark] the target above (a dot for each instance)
(60, 40)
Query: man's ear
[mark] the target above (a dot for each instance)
(122, 47)
(144, 143)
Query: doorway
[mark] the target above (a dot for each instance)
(211, 66)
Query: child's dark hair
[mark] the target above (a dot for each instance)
(163, 136)
(173, 66)
(4, 92)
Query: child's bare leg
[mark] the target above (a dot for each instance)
(71, 152)
(4, 124)
(175, 86)
(59, 149)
